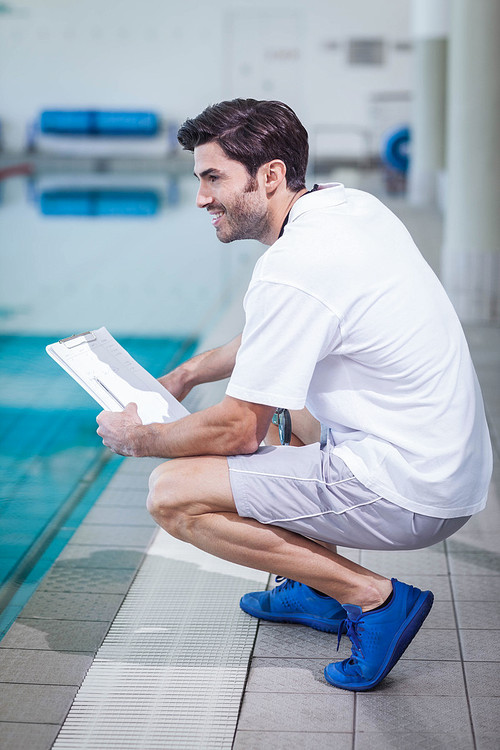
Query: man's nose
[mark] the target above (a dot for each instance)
(203, 198)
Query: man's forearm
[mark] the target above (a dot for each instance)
(196, 435)
(207, 367)
(215, 364)
(228, 428)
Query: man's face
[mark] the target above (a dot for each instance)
(236, 202)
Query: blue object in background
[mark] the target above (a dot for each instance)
(99, 123)
(395, 149)
(85, 202)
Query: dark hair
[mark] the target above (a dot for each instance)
(253, 133)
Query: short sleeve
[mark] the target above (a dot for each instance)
(287, 331)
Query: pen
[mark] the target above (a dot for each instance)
(109, 393)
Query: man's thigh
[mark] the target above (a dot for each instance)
(200, 483)
(305, 426)
(303, 489)
(305, 429)
(310, 491)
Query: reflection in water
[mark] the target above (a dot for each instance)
(164, 274)
(103, 195)
(74, 202)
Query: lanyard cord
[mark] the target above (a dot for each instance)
(316, 187)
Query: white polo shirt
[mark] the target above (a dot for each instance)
(344, 316)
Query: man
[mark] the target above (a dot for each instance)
(347, 327)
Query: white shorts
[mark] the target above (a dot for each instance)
(310, 491)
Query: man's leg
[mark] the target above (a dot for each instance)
(192, 499)
(305, 430)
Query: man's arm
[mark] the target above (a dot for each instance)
(215, 364)
(228, 428)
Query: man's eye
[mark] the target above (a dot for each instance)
(213, 178)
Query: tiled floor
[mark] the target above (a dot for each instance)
(444, 693)
(435, 689)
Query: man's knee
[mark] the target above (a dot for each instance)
(183, 490)
(164, 500)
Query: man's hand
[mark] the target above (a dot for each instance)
(121, 431)
(175, 384)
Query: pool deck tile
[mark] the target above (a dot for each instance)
(72, 606)
(29, 666)
(88, 580)
(285, 740)
(55, 635)
(21, 735)
(118, 536)
(36, 703)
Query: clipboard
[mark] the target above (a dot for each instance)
(100, 365)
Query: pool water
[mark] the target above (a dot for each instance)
(52, 464)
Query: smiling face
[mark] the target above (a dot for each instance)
(236, 202)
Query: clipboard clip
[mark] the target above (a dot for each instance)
(77, 339)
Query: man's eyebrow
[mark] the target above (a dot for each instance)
(206, 172)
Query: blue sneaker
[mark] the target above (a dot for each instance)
(379, 637)
(295, 602)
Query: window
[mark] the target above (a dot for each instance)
(366, 52)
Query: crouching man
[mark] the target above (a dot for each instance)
(349, 331)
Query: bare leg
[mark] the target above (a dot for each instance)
(192, 499)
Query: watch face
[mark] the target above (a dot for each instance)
(283, 420)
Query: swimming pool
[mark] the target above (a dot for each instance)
(157, 282)
(52, 464)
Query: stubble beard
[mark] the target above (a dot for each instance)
(246, 218)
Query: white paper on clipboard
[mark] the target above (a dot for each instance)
(113, 378)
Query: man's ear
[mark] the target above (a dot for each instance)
(274, 175)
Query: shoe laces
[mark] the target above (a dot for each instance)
(353, 632)
(285, 583)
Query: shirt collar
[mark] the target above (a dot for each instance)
(328, 194)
